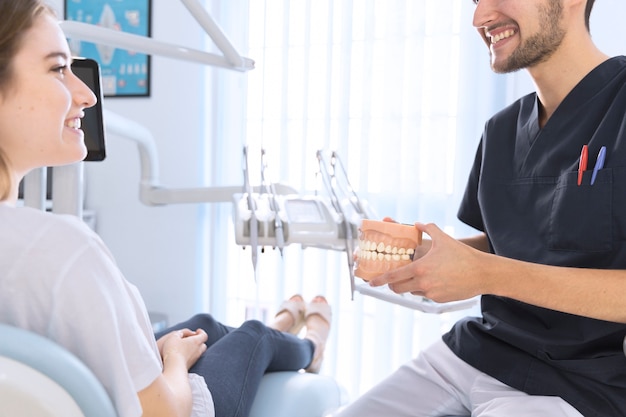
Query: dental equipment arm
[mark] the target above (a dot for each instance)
(216, 33)
(151, 192)
(142, 44)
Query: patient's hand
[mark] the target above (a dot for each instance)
(186, 343)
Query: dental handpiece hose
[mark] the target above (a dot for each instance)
(254, 226)
(330, 182)
(278, 223)
(270, 189)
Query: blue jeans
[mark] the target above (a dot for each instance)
(237, 358)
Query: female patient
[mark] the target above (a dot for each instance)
(59, 280)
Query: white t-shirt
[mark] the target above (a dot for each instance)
(59, 280)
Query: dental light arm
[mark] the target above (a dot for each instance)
(216, 33)
(142, 44)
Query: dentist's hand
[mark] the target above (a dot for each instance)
(446, 270)
(186, 343)
(423, 248)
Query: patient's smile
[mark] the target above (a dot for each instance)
(73, 123)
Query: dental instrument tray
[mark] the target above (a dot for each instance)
(310, 222)
(302, 220)
(263, 217)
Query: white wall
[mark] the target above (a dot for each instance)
(158, 247)
(607, 26)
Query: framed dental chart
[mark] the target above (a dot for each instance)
(124, 73)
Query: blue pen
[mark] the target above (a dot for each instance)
(599, 163)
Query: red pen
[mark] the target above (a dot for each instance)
(582, 164)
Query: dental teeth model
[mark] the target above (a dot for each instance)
(384, 246)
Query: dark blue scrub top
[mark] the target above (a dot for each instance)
(523, 193)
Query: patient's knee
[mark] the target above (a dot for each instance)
(254, 327)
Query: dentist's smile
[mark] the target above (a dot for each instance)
(498, 37)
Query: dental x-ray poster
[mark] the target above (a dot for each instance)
(125, 73)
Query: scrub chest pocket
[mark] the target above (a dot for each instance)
(537, 218)
(581, 217)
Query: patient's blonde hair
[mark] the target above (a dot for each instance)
(17, 17)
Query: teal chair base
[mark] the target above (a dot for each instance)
(290, 394)
(40, 378)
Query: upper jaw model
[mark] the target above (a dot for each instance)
(384, 246)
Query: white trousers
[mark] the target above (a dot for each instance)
(437, 383)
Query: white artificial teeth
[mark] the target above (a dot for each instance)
(378, 256)
(370, 250)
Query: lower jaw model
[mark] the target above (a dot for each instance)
(384, 246)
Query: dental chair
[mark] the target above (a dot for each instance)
(40, 378)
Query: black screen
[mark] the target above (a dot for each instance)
(89, 72)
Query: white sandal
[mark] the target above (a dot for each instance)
(296, 309)
(322, 309)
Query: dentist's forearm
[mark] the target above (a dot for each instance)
(595, 293)
(479, 242)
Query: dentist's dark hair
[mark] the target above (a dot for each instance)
(17, 17)
(588, 8)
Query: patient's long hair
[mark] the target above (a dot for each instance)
(17, 17)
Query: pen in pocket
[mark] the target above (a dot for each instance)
(582, 163)
(599, 163)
